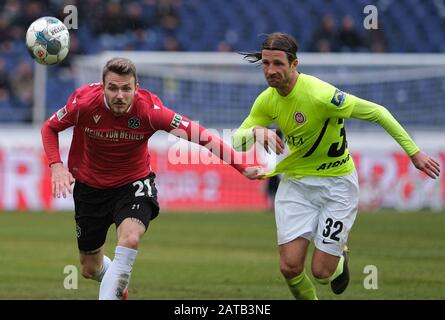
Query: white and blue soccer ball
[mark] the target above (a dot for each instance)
(48, 40)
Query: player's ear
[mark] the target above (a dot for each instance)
(295, 64)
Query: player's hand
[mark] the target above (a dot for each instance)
(253, 173)
(61, 180)
(269, 139)
(426, 164)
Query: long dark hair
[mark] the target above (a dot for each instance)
(275, 41)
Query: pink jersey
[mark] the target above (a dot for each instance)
(108, 151)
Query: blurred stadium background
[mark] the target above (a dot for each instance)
(185, 51)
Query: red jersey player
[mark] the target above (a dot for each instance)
(110, 162)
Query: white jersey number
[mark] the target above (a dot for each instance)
(140, 191)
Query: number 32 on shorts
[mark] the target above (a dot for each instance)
(332, 229)
(140, 185)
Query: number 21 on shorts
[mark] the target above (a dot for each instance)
(140, 185)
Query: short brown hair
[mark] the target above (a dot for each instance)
(276, 41)
(121, 66)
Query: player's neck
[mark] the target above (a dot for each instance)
(288, 89)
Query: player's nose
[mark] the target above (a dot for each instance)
(120, 94)
(270, 71)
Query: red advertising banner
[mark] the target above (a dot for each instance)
(387, 180)
(25, 184)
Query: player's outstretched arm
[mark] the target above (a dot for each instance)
(256, 172)
(61, 180)
(225, 152)
(366, 110)
(425, 163)
(163, 118)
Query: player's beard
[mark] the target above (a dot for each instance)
(274, 82)
(278, 81)
(118, 107)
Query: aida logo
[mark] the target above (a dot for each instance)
(338, 98)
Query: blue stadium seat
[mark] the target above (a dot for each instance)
(414, 26)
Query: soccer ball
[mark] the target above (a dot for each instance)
(48, 40)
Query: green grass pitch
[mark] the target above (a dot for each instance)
(222, 256)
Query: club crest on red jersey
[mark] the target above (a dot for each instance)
(134, 123)
(299, 117)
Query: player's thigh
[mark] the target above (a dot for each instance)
(295, 215)
(137, 202)
(338, 215)
(92, 215)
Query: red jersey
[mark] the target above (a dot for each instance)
(109, 151)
